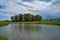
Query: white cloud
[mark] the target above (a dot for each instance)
(38, 5)
(17, 0)
(13, 8)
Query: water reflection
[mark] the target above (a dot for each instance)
(25, 27)
(24, 31)
(31, 32)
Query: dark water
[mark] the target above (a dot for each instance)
(31, 32)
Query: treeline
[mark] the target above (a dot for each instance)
(26, 17)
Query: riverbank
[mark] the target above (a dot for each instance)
(32, 22)
(51, 22)
(3, 23)
(3, 37)
(41, 22)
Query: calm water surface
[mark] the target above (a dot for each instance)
(31, 32)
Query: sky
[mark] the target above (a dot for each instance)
(46, 8)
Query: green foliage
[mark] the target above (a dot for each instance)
(20, 17)
(26, 17)
(12, 18)
(38, 17)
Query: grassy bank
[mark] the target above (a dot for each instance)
(3, 23)
(32, 22)
(41, 22)
(51, 22)
(3, 37)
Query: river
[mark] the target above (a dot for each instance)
(31, 32)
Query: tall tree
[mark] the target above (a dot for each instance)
(20, 17)
(12, 18)
(16, 18)
(27, 17)
(38, 18)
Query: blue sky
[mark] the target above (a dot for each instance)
(46, 8)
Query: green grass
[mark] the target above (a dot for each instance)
(41, 22)
(3, 23)
(3, 37)
(51, 22)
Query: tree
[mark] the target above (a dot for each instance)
(27, 17)
(15, 18)
(38, 18)
(20, 17)
(12, 18)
